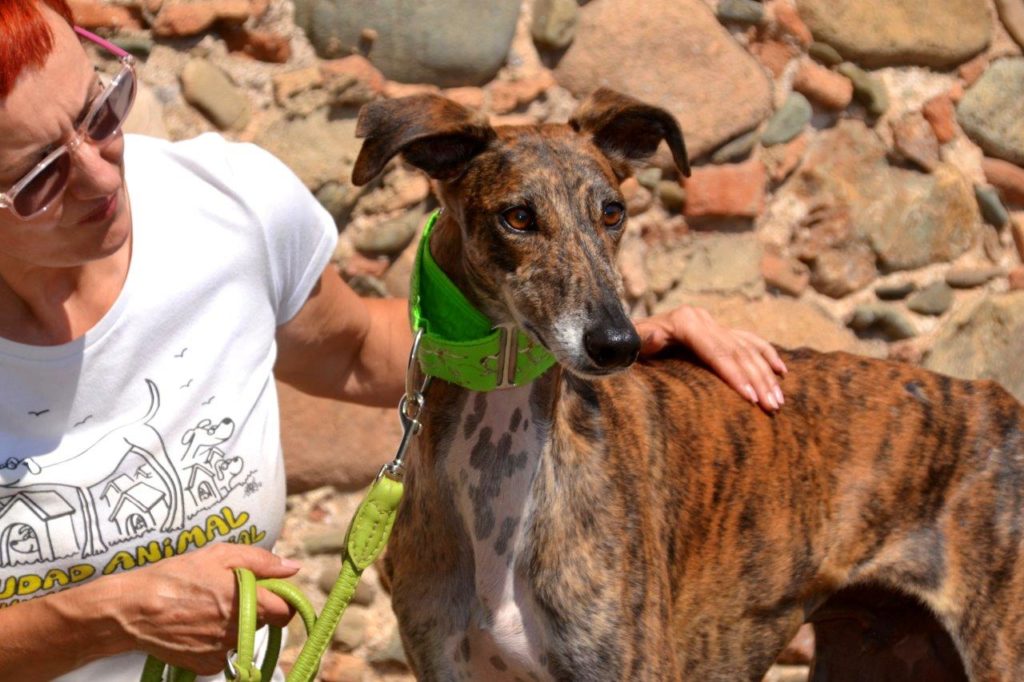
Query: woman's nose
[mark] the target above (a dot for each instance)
(96, 169)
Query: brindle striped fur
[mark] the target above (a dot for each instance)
(652, 524)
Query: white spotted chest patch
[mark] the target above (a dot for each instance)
(491, 464)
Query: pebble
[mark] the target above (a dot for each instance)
(351, 630)
(736, 149)
(879, 321)
(209, 89)
(324, 541)
(895, 292)
(838, 272)
(139, 45)
(968, 278)
(392, 652)
(649, 177)
(934, 299)
(786, 275)
(867, 89)
(741, 11)
(672, 195)
(554, 23)
(992, 209)
(788, 121)
(388, 238)
(915, 140)
(825, 53)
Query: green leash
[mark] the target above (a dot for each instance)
(454, 342)
(367, 537)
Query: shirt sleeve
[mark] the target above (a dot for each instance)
(299, 234)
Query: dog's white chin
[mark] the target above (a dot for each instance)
(589, 371)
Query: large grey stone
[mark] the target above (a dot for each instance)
(783, 321)
(712, 263)
(452, 43)
(209, 89)
(985, 341)
(924, 32)
(672, 54)
(1012, 14)
(909, 219)
(992, 110)
(319, 148)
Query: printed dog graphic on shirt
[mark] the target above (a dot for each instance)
(210, 473)
(46, 472)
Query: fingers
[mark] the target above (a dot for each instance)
(766, 350)
(272, 609)
(262, 563)
(760, 376)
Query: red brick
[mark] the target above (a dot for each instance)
(194, 18)
(942, 116)
(788, 275)
(470, 97)
(1017, 279)
(360, 68)
(826, 87)
(91, 14)
(260, 45)
(394, 89)
(734, 190)
(972, 70)
(1006, 177)
(1017, 229)
(774, 55)
(790, 22)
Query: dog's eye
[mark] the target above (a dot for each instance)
(612, 214)
(519, 218)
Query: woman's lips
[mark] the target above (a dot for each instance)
(103, 212)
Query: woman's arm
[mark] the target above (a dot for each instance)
(182, 610)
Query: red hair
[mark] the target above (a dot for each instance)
(25, 38)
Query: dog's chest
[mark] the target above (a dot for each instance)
(491, 463)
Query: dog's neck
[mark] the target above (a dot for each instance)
(446, 248)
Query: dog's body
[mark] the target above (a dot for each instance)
(653, 525)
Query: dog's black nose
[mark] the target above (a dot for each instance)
(612, 347)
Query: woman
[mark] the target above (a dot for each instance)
(149, 294)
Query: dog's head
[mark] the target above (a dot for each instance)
(533, 214)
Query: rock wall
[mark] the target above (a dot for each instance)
(858, 179)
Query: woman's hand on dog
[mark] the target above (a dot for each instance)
(746, 362)
(184, 610)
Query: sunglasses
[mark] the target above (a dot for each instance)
(41, 186)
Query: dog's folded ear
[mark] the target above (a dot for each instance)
(432, 133)
(627, 130)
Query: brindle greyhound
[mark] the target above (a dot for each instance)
(651, 524)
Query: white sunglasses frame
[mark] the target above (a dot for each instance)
(8, 198)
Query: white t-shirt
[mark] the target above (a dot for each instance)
(157, 432)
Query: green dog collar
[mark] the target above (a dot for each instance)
(459, 343)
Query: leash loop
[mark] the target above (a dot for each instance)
(367, 536)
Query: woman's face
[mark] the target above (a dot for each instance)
(91, 220)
